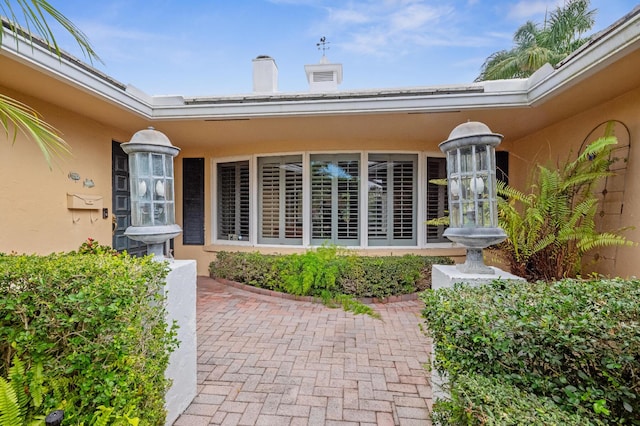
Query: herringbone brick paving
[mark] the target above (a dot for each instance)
(265, 360)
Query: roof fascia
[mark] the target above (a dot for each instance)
(603, 50)
(74, 72)
(444, 101)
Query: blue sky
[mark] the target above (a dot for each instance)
(205, 47)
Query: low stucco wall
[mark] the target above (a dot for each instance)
(183, 362)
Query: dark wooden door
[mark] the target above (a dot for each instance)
(121, 203)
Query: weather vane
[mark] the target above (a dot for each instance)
(323, 45)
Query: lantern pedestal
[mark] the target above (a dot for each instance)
(445, 276)
(475, 239)
(154, 237)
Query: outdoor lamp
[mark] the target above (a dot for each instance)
(473, 204)
(151, 183)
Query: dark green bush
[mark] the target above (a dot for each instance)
(249, 268)
(383, 276)
(575, 342)
(94, 325)
(478, 400)
(328, 269)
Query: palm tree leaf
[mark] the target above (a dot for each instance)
(33, 16)
(16, 117)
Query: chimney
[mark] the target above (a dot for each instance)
(324, 77)
(265, 74)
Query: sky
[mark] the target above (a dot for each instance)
(206, 47)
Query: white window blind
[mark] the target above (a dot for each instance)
(335, 187)
(392, 199)
(437, 199)
(280, 200)
(233, 201)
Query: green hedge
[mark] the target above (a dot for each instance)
(328, 269)
(94, 327)
(482, 401)
(575, 342)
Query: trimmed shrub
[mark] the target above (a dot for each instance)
(575, 342)
(94, 327)
(482, 401)
(328, 269)
(382, 276)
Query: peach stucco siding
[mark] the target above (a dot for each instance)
(34, 216)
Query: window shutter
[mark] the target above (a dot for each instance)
(502, 166)
(193, 201)
(437, 199)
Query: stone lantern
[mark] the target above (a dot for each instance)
(473, 205)
(152, 190)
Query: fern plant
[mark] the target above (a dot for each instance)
(21, 394)
(550, 228)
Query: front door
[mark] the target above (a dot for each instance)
(121, 202)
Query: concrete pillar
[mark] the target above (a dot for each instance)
(180, 291)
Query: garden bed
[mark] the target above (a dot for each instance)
(329, 269)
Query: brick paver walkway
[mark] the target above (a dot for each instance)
(269, 361)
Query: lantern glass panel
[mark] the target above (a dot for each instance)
(466, 159)
(452, 161)
(168, 166)
(159, 189)
(142, 163)
(171, 217)
(454, 216)
(481, 158)
(158, 164)
(169, 190)
(144, 214)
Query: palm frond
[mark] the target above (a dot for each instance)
(534, 46)
(34, 16)
(16, 117)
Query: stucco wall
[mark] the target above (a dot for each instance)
(34, 217)
(562, 140)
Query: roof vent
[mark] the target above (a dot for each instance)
(324, 77)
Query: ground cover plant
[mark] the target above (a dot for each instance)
(573, 343)
(329, 272)
(86, 333)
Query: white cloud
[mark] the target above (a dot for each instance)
(525, 9)
(388, 27)
(414, 17)
(347, 16)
